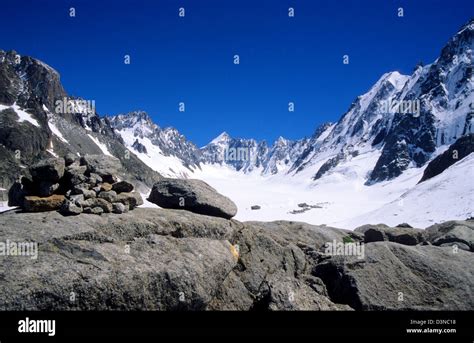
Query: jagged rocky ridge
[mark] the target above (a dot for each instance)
(169, 140)
(246, 155)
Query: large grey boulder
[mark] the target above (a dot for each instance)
(110, 196)
(399, 277)
(50, 169)
(307, 236)
(70, 208)
(75, 174)
(107, 167)
(119, 208)
(460, 233)
(122, 186)
(400, 234)
(192, 195)
(273, 272)
(132, 199)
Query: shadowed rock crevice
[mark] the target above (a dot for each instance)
(340, 287)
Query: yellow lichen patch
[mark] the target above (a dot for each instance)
(235, 251)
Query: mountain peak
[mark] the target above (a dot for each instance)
(468, 26)
(139, 121)
(395, 78)
(132, 118)
(139, 115)
(223, 137)
(281, 141)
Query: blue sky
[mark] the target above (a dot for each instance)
(190, 59)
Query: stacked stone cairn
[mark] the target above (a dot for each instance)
(75, 185)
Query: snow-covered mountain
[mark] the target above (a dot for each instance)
(248, 155)
(243, 155)
(373, 156)
(165, 150)
(444, 90)
(403, 121)
(170, 153)
(38, 119)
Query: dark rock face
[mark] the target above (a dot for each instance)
(70, 159)
(328, 165)
(16, 195)
(139, 147)
(192, 195)
(47, 188)
(399, 277)
(35, 88)
(51, 169)
(24, 137)
(122, 186)
(402, 234)
(456, 152)
(394, 160)
(42, 82)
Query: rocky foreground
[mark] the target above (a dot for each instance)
(170, 259)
